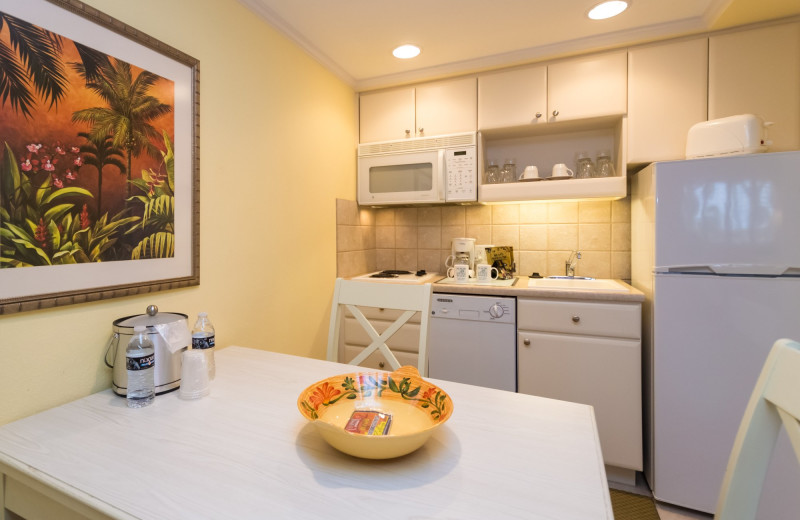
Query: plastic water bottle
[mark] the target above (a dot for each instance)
(140, 360)
(203, 338)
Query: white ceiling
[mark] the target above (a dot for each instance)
(354, 38)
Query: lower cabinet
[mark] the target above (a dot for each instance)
(588, 353)
(404, 344)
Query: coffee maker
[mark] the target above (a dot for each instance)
(463, 251)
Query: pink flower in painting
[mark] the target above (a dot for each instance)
(60, 151)
(58, 184)
(71, 175)
(48, 166)
(41, 233)
(74, 149)
(79, 161)
(26, 166)
(84, 217)
(33, 148)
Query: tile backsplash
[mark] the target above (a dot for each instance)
(543, 234)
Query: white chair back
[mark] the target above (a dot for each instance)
(775, 401)
(349, 294)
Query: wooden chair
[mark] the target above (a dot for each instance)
(775, 401)
(348, 294)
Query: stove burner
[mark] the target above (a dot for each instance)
(383, 274)
(395, 272)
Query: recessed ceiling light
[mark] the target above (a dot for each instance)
(608, 9)
(405, 52)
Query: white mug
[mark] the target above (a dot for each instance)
(486, 272)
(561, 170)
(531, 172)
(460, 272)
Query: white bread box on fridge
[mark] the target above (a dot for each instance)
(734, 135)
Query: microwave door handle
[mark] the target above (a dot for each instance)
(442, 174)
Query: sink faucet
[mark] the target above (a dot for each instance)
(573, 259)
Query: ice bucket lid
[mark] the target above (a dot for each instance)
(153, 317)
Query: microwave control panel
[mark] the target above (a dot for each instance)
(462, 174)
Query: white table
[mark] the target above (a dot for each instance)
(246, 452)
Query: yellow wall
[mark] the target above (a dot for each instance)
(278, 137)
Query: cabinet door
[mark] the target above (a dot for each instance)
(602, 372)
(512, 98)
(588, 87)
(447, 107)
(758, 72)
(386, 115)
(667, 94)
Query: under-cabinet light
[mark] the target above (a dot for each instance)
(608, 9)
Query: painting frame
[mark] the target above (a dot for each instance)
(91, 282)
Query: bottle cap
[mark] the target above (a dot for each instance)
(202, 314)
(139, 328)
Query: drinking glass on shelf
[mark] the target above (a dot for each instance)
(492, 173)
(584, 167)
(509, 172)
(605, 168)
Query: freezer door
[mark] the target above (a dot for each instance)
(711, 338)
(734, 214)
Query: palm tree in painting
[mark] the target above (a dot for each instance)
(33, 59)
(101, 153)
(129, 112)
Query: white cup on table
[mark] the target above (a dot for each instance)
(459, 272)
(486, 272)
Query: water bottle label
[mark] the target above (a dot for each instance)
(140, 363)
(203, 342)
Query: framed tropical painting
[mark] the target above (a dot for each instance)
(99, 167)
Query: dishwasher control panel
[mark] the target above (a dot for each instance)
(475, 308)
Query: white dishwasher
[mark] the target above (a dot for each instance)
(472, 340)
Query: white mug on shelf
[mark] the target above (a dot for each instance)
(561, 170)
(531, 172)
(486, 272)
(459, 272)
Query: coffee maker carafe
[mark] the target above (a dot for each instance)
(462, 252)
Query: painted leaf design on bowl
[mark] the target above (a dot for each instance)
(406, 387)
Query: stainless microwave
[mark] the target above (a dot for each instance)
(421, 170)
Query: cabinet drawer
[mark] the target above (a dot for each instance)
(376, 359)
(618, 320)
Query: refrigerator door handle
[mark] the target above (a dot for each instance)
(731, 269)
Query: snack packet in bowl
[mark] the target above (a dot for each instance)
(369, 422)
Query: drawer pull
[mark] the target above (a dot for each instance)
(381, 364)
(576, 319)
(526, 342)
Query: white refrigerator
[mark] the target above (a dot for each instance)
(716, 249)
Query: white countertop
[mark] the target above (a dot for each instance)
(520, 289)
(246, 452)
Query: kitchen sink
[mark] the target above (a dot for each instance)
(577, 284)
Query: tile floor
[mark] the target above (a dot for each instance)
(665, 511)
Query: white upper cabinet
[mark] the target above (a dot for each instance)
(442, 107)
(512, 98)
(591, 86)
(667, 94)
(757, 71)
(447, 107)
(387, 115)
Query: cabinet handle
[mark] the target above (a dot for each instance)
(381, 309)
(408, 132)
(576, 319)
(381, 364)
(421, 130)
(555, 113)
(526, 342)
(538, 115)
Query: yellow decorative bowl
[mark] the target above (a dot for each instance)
(416, 406)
